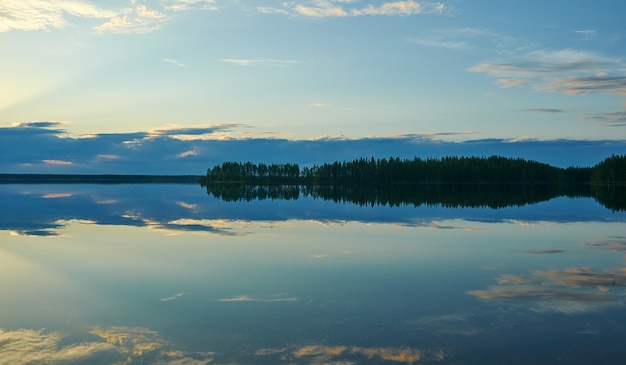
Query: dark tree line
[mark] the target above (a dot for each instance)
(494, 182)
(470, 170)
(611, 171)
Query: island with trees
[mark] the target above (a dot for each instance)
(450, 181)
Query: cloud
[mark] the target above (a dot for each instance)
(188, 153)
(545, 251)
(267, 61)
(270, 299)
(56, 195)
(180, 5)
(561, 71)
(191, 150)
(587, 34)
(545, 62)
(509, 83)
(586, 85)
(543, 110)
(611, 119)
(339, 8)
(173, 297)
(320, 105)
(195, 131)
(462, 39)
(30, 15)
(319, 256)
(139, 19)
(57, 162)
(174, 62)
(39, 124)
(44, 15)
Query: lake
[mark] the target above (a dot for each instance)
(168, 274)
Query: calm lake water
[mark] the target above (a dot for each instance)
(167, 274)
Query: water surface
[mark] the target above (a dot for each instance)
(166, 274)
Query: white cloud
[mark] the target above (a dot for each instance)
(247, 298)
(180, 5)
(320, 105)
(461, 39)
(268, 61)
(507, 83)
(173, 297)
(192, 152)
(587, 34)
(174, 62)
(140, 19)
(44, 15)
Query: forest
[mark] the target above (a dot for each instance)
(494, 182)
(449, 170)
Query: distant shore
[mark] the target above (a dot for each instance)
(96, 179)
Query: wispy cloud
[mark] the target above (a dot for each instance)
(247, 298)
(46, 15)
(508, 83)
(192, 152)
(587, 34)
(320, 105)
(139, 19)
(174, 62)
(57, 162)
(173, 297)
(546, 251)
(348, 8)
(545, 62)
(180, 5)
(461, 39)
(261, 61)
(543, 110)
(30, 15)
(586, 85)
(565, 71)
(610, 119)
(56, 195)
(39, 124)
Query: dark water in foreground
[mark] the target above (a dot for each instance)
(166, 274)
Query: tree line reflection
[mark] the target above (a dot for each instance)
(446, 195)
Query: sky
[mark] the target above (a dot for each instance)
(174, 86)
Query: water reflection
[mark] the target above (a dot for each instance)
(446, 195)
(164, 274)
(42, 210)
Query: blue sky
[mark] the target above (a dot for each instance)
(95, 83)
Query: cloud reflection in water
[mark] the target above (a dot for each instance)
(570, 291)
